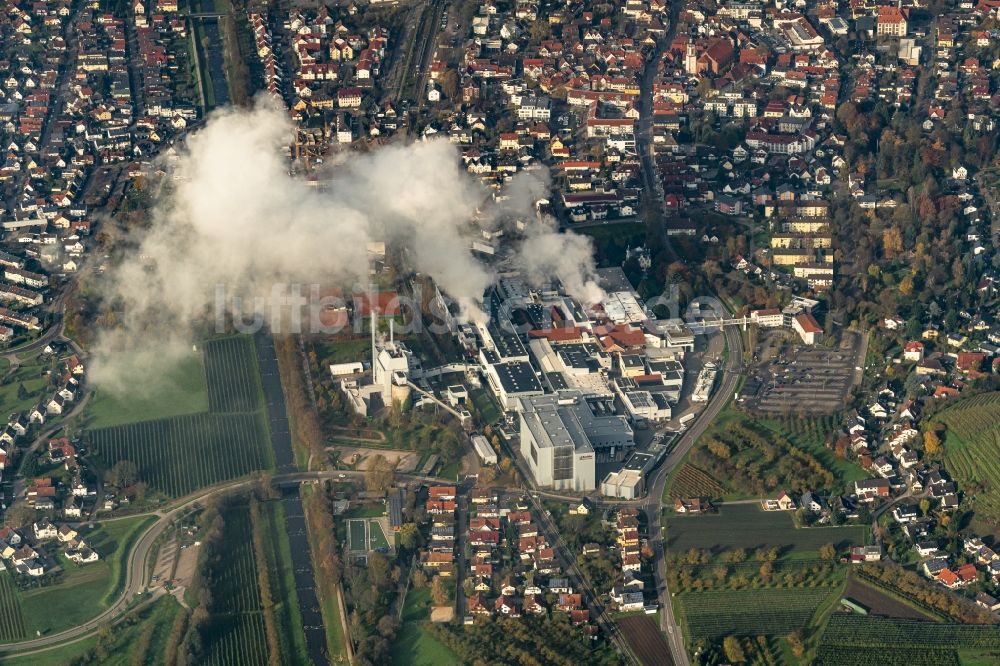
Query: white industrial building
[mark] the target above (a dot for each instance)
(623, 484)
(646, 406)
(560, 433)
(483, 449)
(706, 381)
(629, 482)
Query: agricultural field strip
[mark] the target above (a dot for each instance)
(164, 450)
(750, 612)
(231, 368)
(972, 442)
(11, 619)
(877, 632)
(839, 655)
(692, 481)
(645, 639)
(243, 641)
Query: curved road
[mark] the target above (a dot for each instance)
(657, 482)
(137, 571)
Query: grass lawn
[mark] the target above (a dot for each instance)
(366, 511)
(378, 539)
(484, 405)
(28, 375)
(357, 542)
(56, 607)
(450, 471)
(342, 351)
(414, 646)
(182, 390)
(750, 527)
(147, 631)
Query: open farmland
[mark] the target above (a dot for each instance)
(236, 634)
(11, 620)
(183, 453)
(181, 389)
(775, 612)
(693, 482)
(233, 377)
(972, 450)
(880, 602)
(178, 455)
(788, 573)
(646, 640)
(750, 527)
(859, 640)
(837, 655)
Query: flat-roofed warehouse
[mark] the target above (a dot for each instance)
(559, 435)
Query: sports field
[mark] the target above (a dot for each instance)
(365, 534)
(750, 527)
(358, 534)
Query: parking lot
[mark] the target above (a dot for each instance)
(792, 379)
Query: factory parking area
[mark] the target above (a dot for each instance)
(791, 379)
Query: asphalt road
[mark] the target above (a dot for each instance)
(136, 566)
(653, 504)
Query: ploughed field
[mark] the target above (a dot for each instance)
(646, 640)
(749, 527)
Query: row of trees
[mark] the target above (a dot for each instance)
(528, 641)
(264, 583)
(910, 584)
(306, 430)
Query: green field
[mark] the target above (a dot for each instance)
(750, 527)
(774, 612)
(905, 642)
(180, 454)
(181, 389)
(177, 456)
(140, 639)
(972, 451)
(357, 536)
(29, 375)
(236, 633)
(413, 645)
(56, 607)
(378, 539)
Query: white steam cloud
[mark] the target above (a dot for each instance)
(236, 219)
